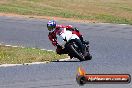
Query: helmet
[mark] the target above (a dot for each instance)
(51, 25)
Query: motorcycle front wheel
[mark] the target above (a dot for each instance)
(75, 48)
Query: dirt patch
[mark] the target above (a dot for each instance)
(46, 17)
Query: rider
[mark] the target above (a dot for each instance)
(53, 28)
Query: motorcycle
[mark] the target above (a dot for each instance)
(72, 44)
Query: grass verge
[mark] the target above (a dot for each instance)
(112, 11)
(18, 55)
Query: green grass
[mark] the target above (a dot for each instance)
(112, 11)
(18, 55)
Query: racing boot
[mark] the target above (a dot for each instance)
(60, 51)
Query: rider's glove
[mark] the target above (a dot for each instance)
(54, 43)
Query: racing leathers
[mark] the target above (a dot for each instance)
(53, 38)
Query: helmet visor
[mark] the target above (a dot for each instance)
(50, 28)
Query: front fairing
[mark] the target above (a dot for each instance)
(64, 36)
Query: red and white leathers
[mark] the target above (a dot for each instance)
(52, 35)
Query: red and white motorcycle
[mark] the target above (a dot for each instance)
(72, 44)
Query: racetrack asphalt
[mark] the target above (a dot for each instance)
(110, 46)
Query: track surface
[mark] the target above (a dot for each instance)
(110, 45)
